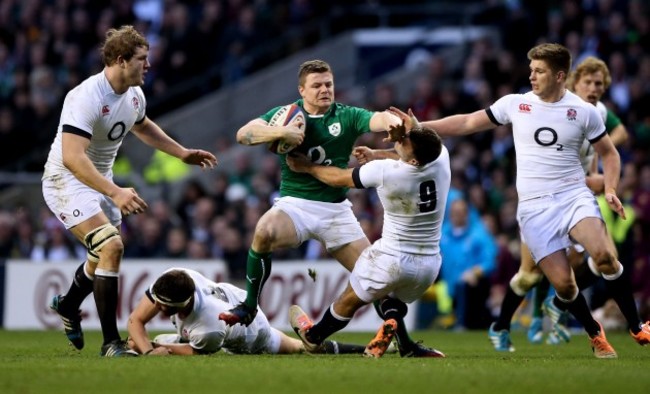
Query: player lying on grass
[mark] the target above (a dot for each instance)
(193, 303)
(399, 267)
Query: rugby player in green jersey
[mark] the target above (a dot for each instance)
(307, 208)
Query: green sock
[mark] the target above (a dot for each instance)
(540, 292)
(258, 270)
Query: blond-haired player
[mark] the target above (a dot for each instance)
(78, 182)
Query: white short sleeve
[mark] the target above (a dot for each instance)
(80, 112)
(500, 109)
(371, 174)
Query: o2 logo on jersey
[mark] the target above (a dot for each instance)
(317, 155)
(546, 136)
(117, 131)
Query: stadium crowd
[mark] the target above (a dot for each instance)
(47, 47)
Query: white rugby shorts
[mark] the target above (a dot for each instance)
(404, 276)
(333, 224)
(545, 222)
(258, 338)
(73, 202)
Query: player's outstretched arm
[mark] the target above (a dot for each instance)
(384, 120)
(151, 134)
(450, 126)
(363, 154)
(333, 176)
(408, 119)
(199, 157)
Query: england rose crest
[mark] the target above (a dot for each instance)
(571, 114)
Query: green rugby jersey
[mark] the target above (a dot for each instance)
(329, 140)
(612, 121)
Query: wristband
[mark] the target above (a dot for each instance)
(147, 352)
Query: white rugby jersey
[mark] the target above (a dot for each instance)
(414, 201)
(93, 110)
(202, 328)
(587, 151)
(548, 138)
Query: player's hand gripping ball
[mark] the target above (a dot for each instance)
(283, 117)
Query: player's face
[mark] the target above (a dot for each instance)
(166, 309)
(137, 67)
(544, 81)
(317, 92)
(590, 87)
(404, 149)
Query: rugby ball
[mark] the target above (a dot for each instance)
(285, 115)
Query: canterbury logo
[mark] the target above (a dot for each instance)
(525, 108)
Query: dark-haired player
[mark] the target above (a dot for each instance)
(400, 266)
(193, 303)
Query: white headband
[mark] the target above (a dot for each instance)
(169, 303)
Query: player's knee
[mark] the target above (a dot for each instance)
(566, 288)
(92, 257)
(266, 234)
(605, 260)
(105, 240)
(567, 291)
(606, 264)
(523, 281)
(113, 250)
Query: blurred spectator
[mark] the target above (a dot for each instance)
(149, 240)
(641, 203)
(200, 218)
(7, 231)
(197, 250)
(424, 102)
(53, 243)
(176, 245)
(191, 193)
(641, 286)
(469, 254)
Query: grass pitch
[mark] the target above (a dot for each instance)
(42, 362)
